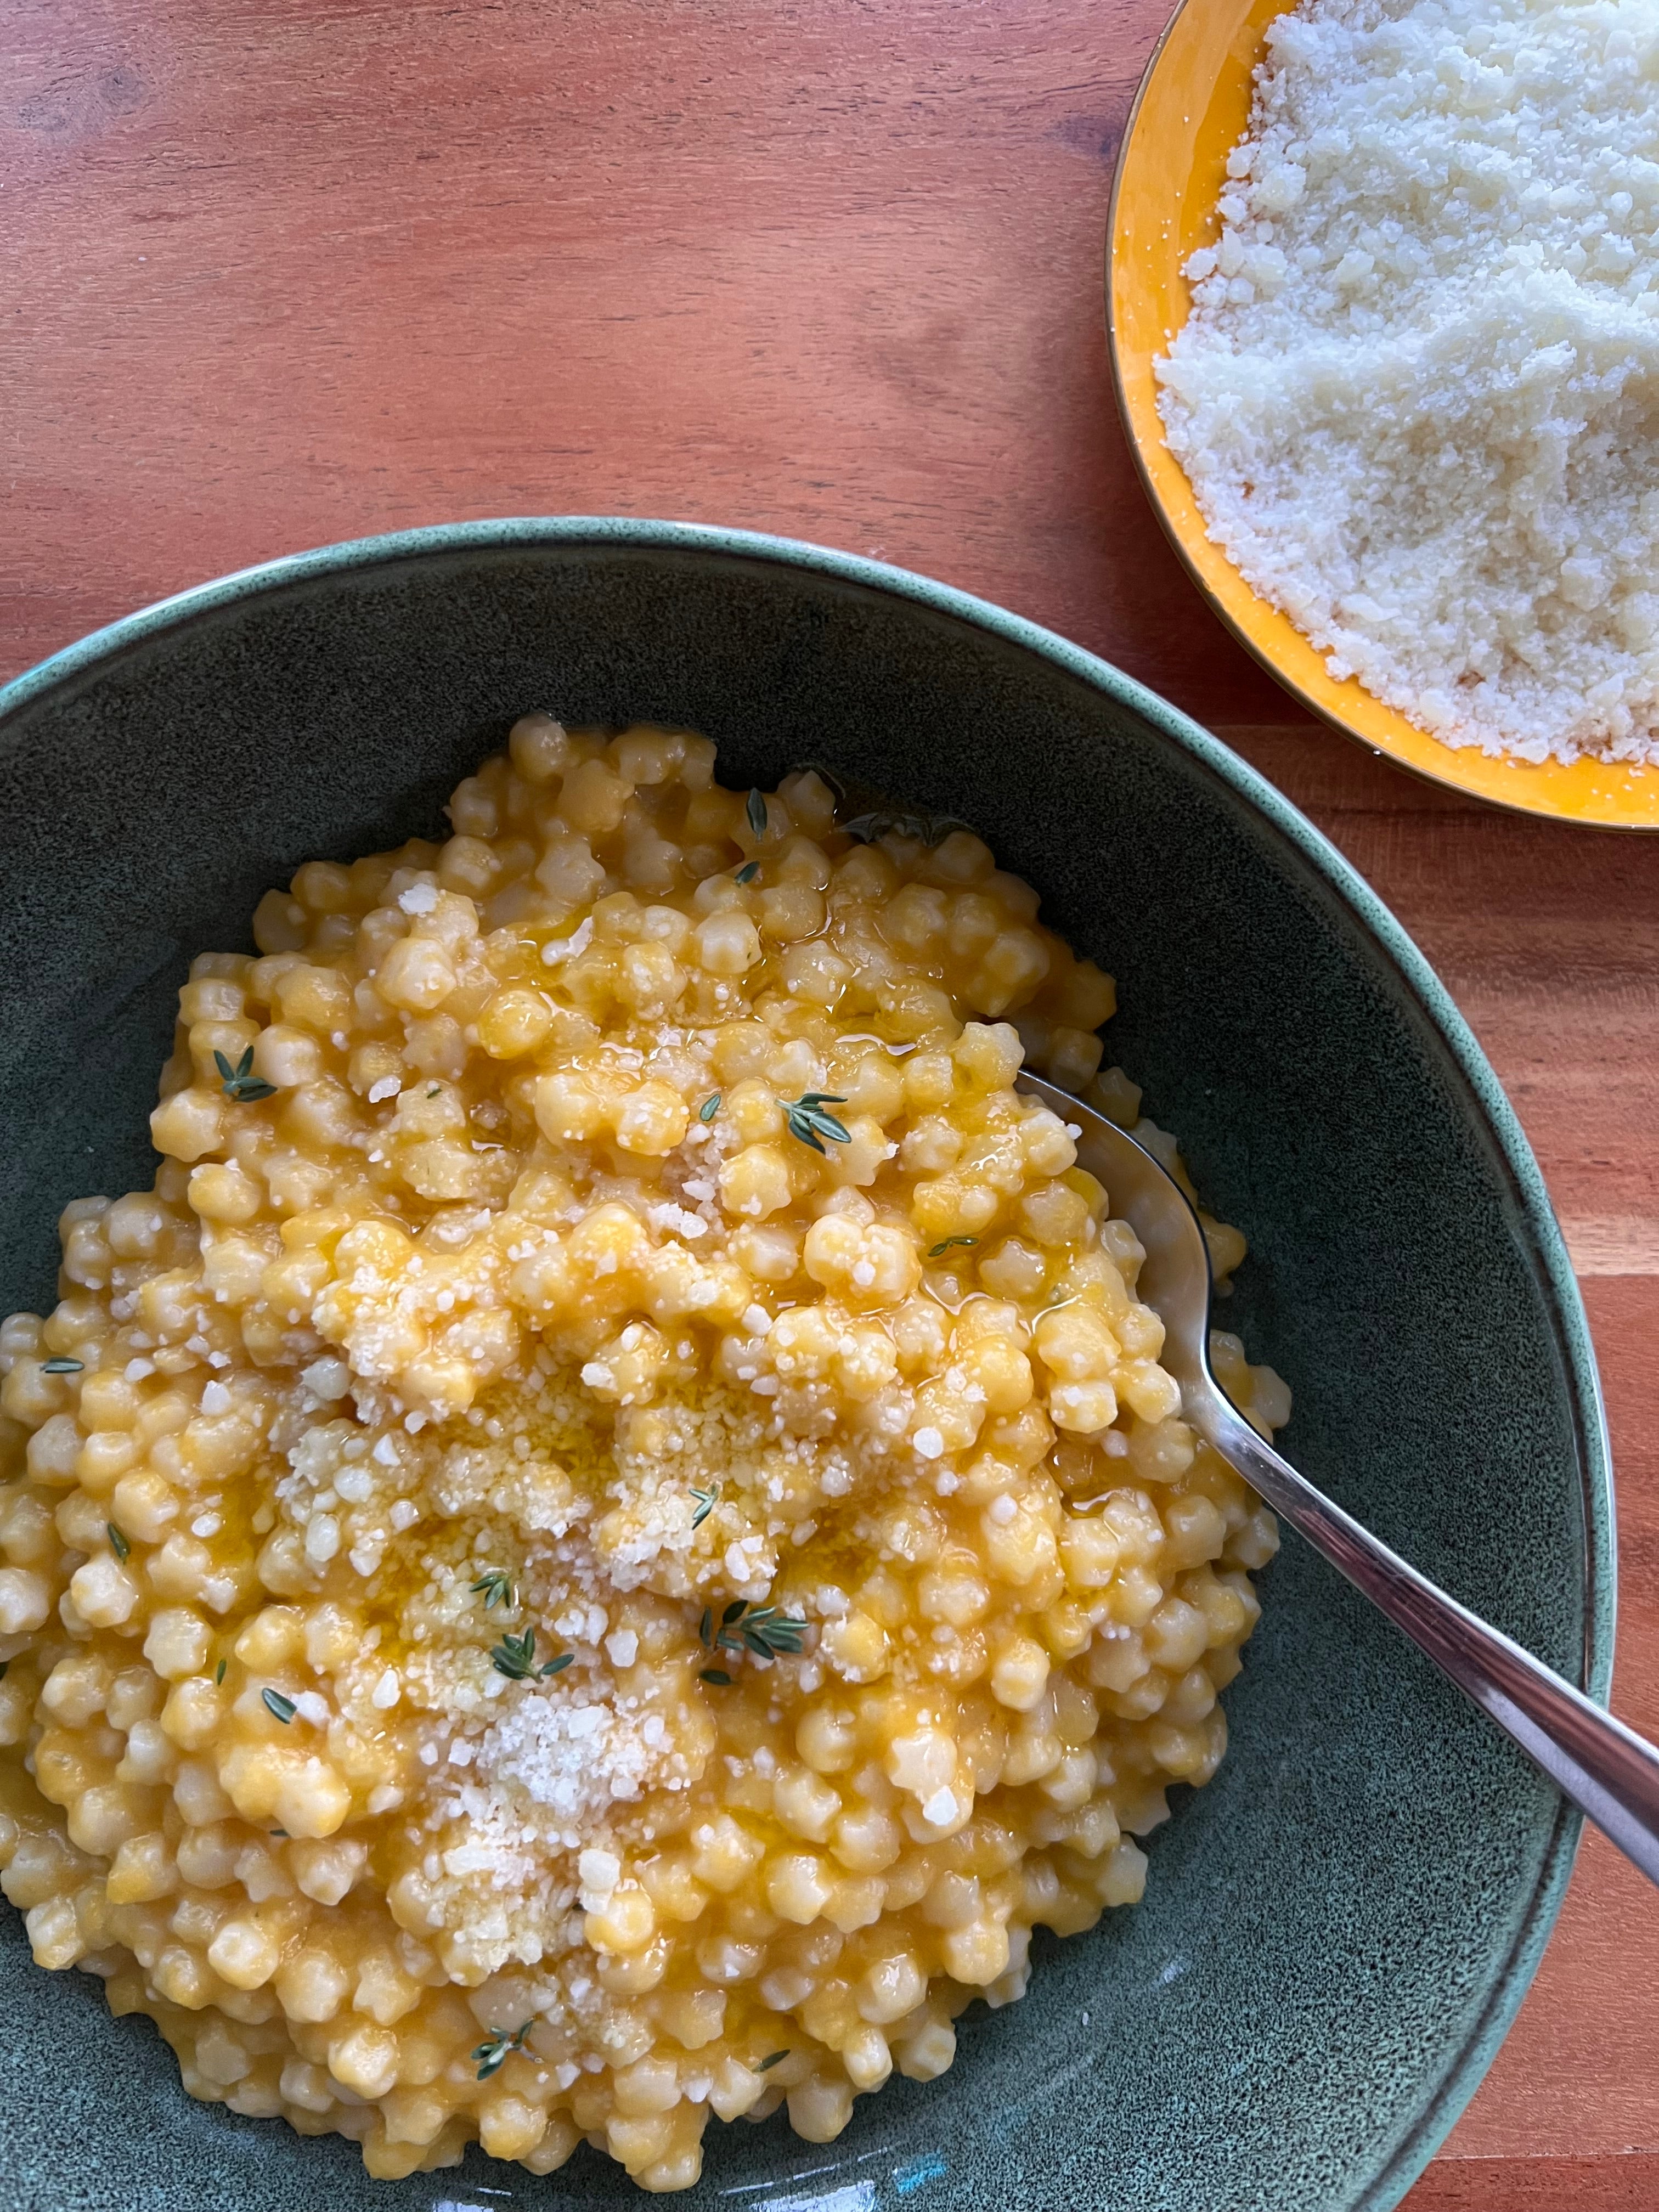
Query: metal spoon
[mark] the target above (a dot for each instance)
(1606, 1769)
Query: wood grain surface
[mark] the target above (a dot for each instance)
(282, 271)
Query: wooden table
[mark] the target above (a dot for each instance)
(282, 271)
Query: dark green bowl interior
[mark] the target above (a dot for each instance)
(1337, 1930)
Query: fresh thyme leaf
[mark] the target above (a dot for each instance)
(495, 1588)
(764, 2065)
(770, 1635)
(63, 1366)
(935, 1251)
(810, 1124)
(705, 1502)
(747, 872)
(283, 1832)
(117, 1542)
(710, 1107)
(219, 1673)
(705, 1627)
(5, 1663)
(516, 1657)
(240, 1084)
(279, 1707)
(491, 2054)
(434, 1092)
(756, 812)
(763, 1629)
(717, 1675)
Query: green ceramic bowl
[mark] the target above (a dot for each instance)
(1337, 1932)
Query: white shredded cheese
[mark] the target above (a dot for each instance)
(1417, 395)
(568, 948)
(600, 1871)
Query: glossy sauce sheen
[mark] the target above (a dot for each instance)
(610, 1537)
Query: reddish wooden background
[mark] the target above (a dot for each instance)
(280, 271)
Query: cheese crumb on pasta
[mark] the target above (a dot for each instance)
(610, 1537)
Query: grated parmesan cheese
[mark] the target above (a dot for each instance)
(1417, 395)
(565, 1569)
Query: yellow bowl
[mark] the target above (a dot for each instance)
(1192, 104)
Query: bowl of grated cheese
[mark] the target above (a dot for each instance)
(601, 1584)
(1380, 307)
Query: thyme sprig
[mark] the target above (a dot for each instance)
(515, 1657)
(495, 1588)
(492, 2053)
(240, 1084)
(705, 1502)
(808, 1123)
(765, 1630)
(935, 1251)
(770, 1634)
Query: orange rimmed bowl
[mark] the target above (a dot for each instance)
(1193, 102)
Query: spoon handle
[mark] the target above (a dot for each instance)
(1606, 1769)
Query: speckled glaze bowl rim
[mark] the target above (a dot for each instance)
(1460, 2077)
